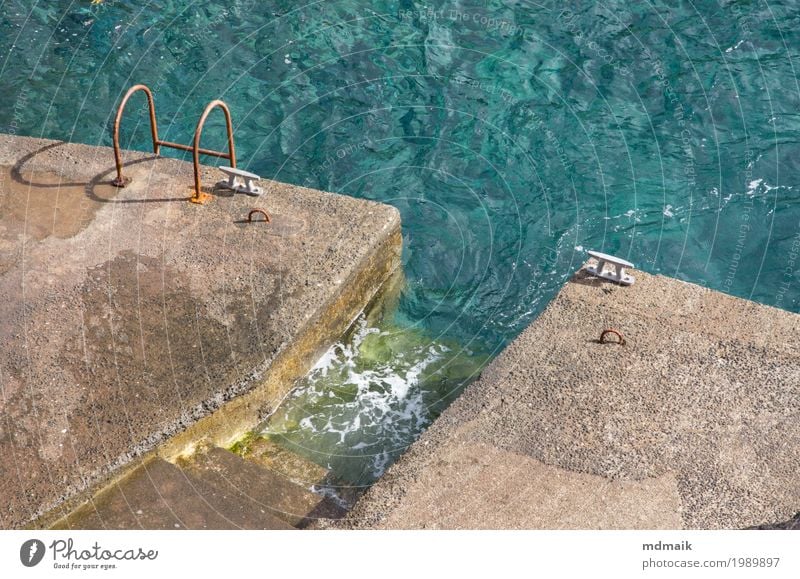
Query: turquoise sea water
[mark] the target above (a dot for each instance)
(510, 134)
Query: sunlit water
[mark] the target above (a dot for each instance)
(510, 135)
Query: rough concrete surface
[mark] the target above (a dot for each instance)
(215, 489)
(161, 496)
(130, 315)
(693, 423)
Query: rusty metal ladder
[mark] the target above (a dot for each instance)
(198, 196)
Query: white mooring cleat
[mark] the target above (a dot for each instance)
(619, 265)
(235, 178)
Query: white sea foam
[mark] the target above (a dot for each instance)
(732, 48)
(359, 397)
(753, 186)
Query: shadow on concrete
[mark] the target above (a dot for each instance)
(792, 524)
(16, 170)
(583, 277)
(103, 178)
(279, 225)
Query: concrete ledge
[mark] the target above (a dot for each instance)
(135, 321)
(692, 424)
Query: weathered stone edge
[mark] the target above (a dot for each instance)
(232, 418)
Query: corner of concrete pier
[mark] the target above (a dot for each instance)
(137, 324)
(693, 423)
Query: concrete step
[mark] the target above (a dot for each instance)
(273, 456)
(159, 495)
(259, 488)
(304, 472)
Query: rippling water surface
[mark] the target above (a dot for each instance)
(510, 135)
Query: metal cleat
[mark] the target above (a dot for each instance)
(619, 265)
(235, 178)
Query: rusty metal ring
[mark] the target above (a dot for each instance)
(617, 333)
(258, 211)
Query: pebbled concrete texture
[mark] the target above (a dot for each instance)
(692, 424)
(134, 322)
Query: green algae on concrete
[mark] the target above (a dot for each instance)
(691, 424)
(368, 397)
(266, 453)
(161, 496)
(154, 324)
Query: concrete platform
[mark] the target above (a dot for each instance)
(214, 489)
(160, 496)
(261, 487)
(694, 423)
(133, 320)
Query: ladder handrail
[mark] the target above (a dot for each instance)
(198, 196)
(231, 156)
(121, 181)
